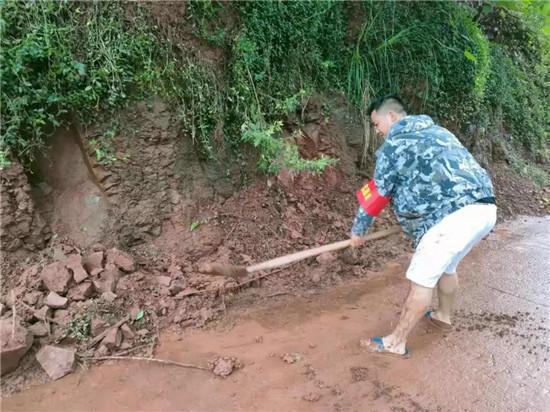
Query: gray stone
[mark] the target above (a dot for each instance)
(56, 277)
(39, 329)
(13, 347)
(56, 361)
(54, 301)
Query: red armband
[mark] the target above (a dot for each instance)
(371, 201)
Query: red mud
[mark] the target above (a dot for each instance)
(302, 353)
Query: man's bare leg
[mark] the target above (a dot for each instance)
(446, 291)
(418, 300)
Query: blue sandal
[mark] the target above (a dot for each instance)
(438, 324)
(376, 345)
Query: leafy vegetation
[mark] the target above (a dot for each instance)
(61, 59)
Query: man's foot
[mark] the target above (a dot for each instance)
(435, 320)
(377, 345)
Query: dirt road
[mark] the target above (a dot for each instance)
(497, 358)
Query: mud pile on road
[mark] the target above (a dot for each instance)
(100, 301)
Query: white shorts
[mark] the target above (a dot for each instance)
(443, 246)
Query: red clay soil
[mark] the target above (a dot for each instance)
(300, 351)
(266, 219)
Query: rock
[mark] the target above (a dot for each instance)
(13, 348)
(62, 316)
(108, 296)
(102, 351)
(175, 197)
(125, 345)
(39, 329)
(142, 332)
(316, 276)
(56, 277)
(312, 397)
(108, 279)
(29, 274)
(125, 284)
(127, 332)
(325, 258)
(351, 256)
(56, 361)
(82, 292)
(291, 357)
(121, 260)
(98, 247)
(181, 315)
(93, 262)
(98, 326)
(58, 254)
(54, 301)
(32, 298)
(138, 276)
(113, 339)
(224, 367)
(43, 313)
(74, 264)
(174, 271)
(164, 280)
(176, 287)
(205, 314)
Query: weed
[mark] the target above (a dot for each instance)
(79, 328)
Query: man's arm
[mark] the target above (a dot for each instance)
(385, 179)
(361, 225)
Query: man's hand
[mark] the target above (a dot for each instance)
(357, 241)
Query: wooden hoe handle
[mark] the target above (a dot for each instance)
(304, 254)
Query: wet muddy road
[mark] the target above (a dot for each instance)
(496, 359)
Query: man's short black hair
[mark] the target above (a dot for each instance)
(390, 101)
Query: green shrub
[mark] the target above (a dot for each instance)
(64, 58)
(60, 58)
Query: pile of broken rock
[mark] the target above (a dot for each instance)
(48, 299)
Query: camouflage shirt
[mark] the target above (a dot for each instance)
(427, 173)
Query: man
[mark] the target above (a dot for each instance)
(442, 198)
